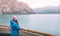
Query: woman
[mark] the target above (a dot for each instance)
(14, 26)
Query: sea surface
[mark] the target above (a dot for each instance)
(49, 23)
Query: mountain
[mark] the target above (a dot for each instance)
(48, 10)
(13, 6)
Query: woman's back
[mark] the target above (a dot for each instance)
(14, 28)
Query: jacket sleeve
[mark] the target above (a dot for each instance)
(16, 25)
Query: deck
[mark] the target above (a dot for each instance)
(5, 31)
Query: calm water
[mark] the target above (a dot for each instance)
(49, 23)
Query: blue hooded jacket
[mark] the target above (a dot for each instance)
(14, 28)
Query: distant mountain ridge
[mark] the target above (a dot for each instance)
(15, 6)
(48, 9)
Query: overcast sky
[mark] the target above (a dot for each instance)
(41, 3)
